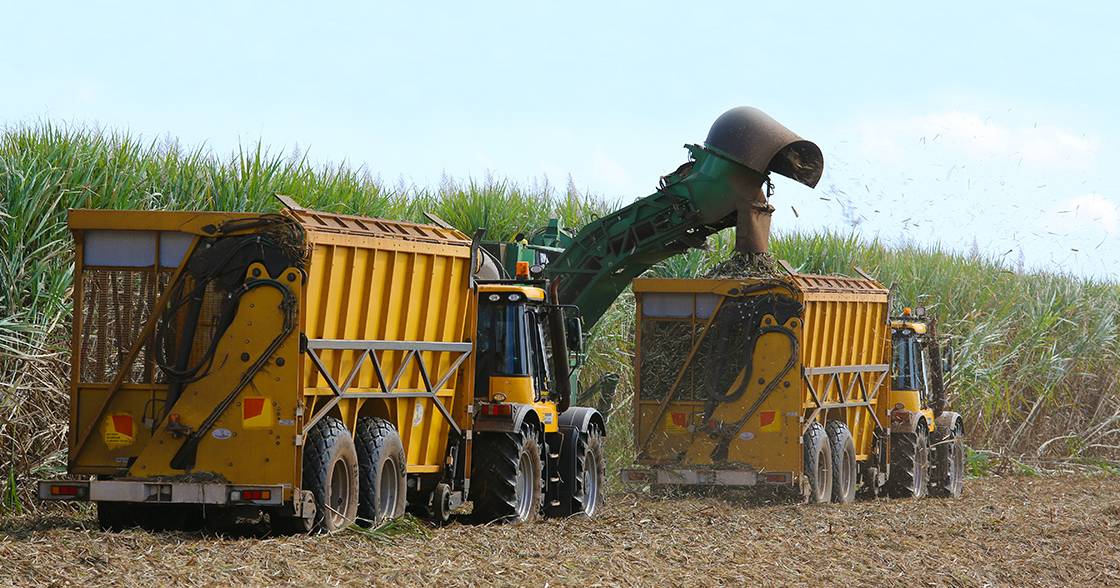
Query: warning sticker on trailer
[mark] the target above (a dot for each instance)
(256, 413)
(118, 430)
(676, 422)
(768, 422)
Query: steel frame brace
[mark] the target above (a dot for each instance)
(369, 348)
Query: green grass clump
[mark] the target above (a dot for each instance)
(1037, 353)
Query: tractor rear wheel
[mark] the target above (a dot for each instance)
(947, 469)
(909, 475)
(818, 463)
(591, 472)
(506, 480)
(843, 462)
(381, 471)
(330, 472)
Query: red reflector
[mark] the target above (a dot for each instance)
(256, 494)
(497, 409)
(66, 490)
(776, 478)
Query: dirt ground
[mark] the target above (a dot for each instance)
(1021, 531)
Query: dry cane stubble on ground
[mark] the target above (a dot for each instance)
(1005, 531)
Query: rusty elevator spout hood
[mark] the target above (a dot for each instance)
(749, 137)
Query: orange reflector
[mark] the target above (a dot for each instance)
(522, 269)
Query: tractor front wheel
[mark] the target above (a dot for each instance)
(591, 472)
(947, 470)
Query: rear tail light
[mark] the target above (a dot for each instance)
(777, 478)
(64, 491)
(497, 409)
(250, 495)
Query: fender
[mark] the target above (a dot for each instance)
(508, 424)
(946, 421)
(906, 421)
(581, 418)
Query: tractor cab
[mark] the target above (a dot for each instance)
(527, 349)
(513, 345)
(910, 361)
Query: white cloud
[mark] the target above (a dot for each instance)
(1088, 209)
(978, 137)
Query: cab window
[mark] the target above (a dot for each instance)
(907, 369)
(540, 350)
(501, 344)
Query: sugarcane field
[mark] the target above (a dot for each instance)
(536, 296)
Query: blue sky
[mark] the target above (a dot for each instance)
(986, 124)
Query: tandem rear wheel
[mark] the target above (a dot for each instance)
(818, 463)
(382, 471)
(330, 473)
(844, 472)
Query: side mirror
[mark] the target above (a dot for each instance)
(573, 330)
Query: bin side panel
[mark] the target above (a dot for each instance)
(363, 288)
(846, 352)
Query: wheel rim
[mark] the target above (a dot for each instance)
(845, 473)
(387, 490)
(523, 488)
(339, 500)
(956, 468)
(921, 460)
(590, 483)
(823, 468)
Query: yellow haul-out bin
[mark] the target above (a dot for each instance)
(279, 334)
(760, 381)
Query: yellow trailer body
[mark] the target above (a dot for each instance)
(731, 373)
(356, 317)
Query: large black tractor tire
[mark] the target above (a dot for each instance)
(591, 474)
(909, 475)
(381, 471)
(947, 467)
(844, 471)
(818, 463)
(330, 472)
(506, 476)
